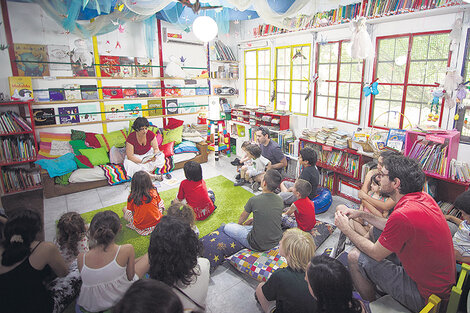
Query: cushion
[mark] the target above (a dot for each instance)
(173, 123)
(62, 179)
(167, 149)
(83, 162)
(186, 146)
(322, 200)
(60, 147)
(115, 174)
(173, 135)
(60, 166)
(85, 175)
(157, 133)
(116, 138)
(91, 141)
(78, 135)
(96, 156)
(167, 167)
(193, 139)
(177, 158)
(77, 145)
(49, 137)
(217, 246)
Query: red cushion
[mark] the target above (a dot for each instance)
(173, 123)
(83, 162)
(91, 140)
(167, 149)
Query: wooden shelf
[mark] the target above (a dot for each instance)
(122, 78)
(231, 79)
(17, 133)
(23, 190)
(17, 162)
(36, 103)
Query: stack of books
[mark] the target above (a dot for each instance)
(11, 122)
(459, 171)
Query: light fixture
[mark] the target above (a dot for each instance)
(205, 28)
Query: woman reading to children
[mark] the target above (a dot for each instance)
(142, 153)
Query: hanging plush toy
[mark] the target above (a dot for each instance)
(361, 45)
(437, 94)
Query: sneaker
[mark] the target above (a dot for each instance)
(235, 162)
(240, 182)
(238, 177)
(168, 176)
(340, 245)
(255, 186)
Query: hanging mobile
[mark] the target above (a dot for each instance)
(371, 88)
(434, 109)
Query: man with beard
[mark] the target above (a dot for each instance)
(416, 231)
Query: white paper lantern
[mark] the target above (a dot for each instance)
(205, 28)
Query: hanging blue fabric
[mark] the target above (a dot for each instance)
(149, 33)
(69, 23)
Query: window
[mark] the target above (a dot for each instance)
(463, 123)
(257, 76)
(292, 78)
(408, 67)
(338, 91)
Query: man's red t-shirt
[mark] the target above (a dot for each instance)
(195, 193)
(305, 214)
(138, 148)
(418, 233)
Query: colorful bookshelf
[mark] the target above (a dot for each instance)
(257, 118)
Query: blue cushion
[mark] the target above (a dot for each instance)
(323, 200)
(60, 166)
(186, 146)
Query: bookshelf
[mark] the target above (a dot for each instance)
(255, 118)
(18, 147)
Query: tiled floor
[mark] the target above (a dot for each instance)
(229, 290)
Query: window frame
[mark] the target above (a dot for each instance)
(337, 81)
(290, 80)
(459, 124)
(405, 83)
(257, 78)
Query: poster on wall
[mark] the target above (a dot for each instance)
(44, 116)
(88, 110)
(32, 60)
(59, 56)
(69, 115)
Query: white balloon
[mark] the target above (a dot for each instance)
(205, 28)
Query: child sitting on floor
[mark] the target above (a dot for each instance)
(193, 191)
(252, 173)
(462, 236)
(71, 236)
(246, 160)
(183, 212)
(107, 270)
(286, 290)
(144, 205)
(303, 208)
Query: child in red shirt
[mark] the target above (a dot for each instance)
(303, 208)
(193, 190)
(144, 205)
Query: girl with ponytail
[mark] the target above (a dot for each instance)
(24, 264)
(107, 270)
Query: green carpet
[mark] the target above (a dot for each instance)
(230, 202)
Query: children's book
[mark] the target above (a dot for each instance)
(142, 90)
(79, 69)
(129, 92)
(89, 92)
(143, 67)
(127, 71)
(59, 56)
(187, 107)
(154, 88)
(114, 111)
(172, 106)
(112, 92)
(109, 66)
(21, 88)
(68, 115)
(155, 107)
(396, 139)
(44, 116)
(133, 110)
(171, 182)
(32, 60)
(72, 92)
(56, 94)
(90, 112)
(202, 91)
(41, 95)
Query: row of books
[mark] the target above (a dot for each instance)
(327, 179)
(459, 171)
(14, 149)
(223, 52)
(366, 168)
(11, 122)
(431, 155)
(347, 162)
(449, 209)
(17, 179)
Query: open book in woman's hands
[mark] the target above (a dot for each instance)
(149, 157)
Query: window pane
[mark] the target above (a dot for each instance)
(417, 105)
(345, 72)
(328, 53)
(250, 71)
(385, 113)
(439, 46)
(250, 58)
(342, 109)
(251, 97)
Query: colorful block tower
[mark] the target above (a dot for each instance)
(221, 140)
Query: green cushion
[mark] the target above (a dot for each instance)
(77, 145)
(78, 135)
(116, 138)
(175, 135)
(97, 156)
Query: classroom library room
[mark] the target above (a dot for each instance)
(227, 156)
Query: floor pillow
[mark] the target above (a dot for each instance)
(115, 174)
(175, 135)
(97, 156)
(217, 246)
(322, 200)
(60, 166)
(116, 138)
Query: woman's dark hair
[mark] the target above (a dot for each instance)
(309, 155)
(182, 211)
(103, 228)
(192, 171)
(139, 123)
(149, 295)
(20, 231)
(409, 172)
(462, 202)
(332, 286)
(141, 185)
(70, 230)
(173, 252)
(254, 150)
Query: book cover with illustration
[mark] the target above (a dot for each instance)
(89, 113)
(396, 139)
(59, 56)
(133, 110)
(187, 107)
(142, 90)
(89, 92)
(155, 89)
(72, 92)
(21, 88)
(69, 115)
(109, 66)
(155, 107)
(44, 116)
(56, 94)
(172, 106)
(114, 111)
(127, 67)
(143, 67)
(30, 60)
(112, 92)
(129, 92)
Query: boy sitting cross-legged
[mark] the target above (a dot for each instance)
(266, 231)
(303, 208)
(252, 173)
